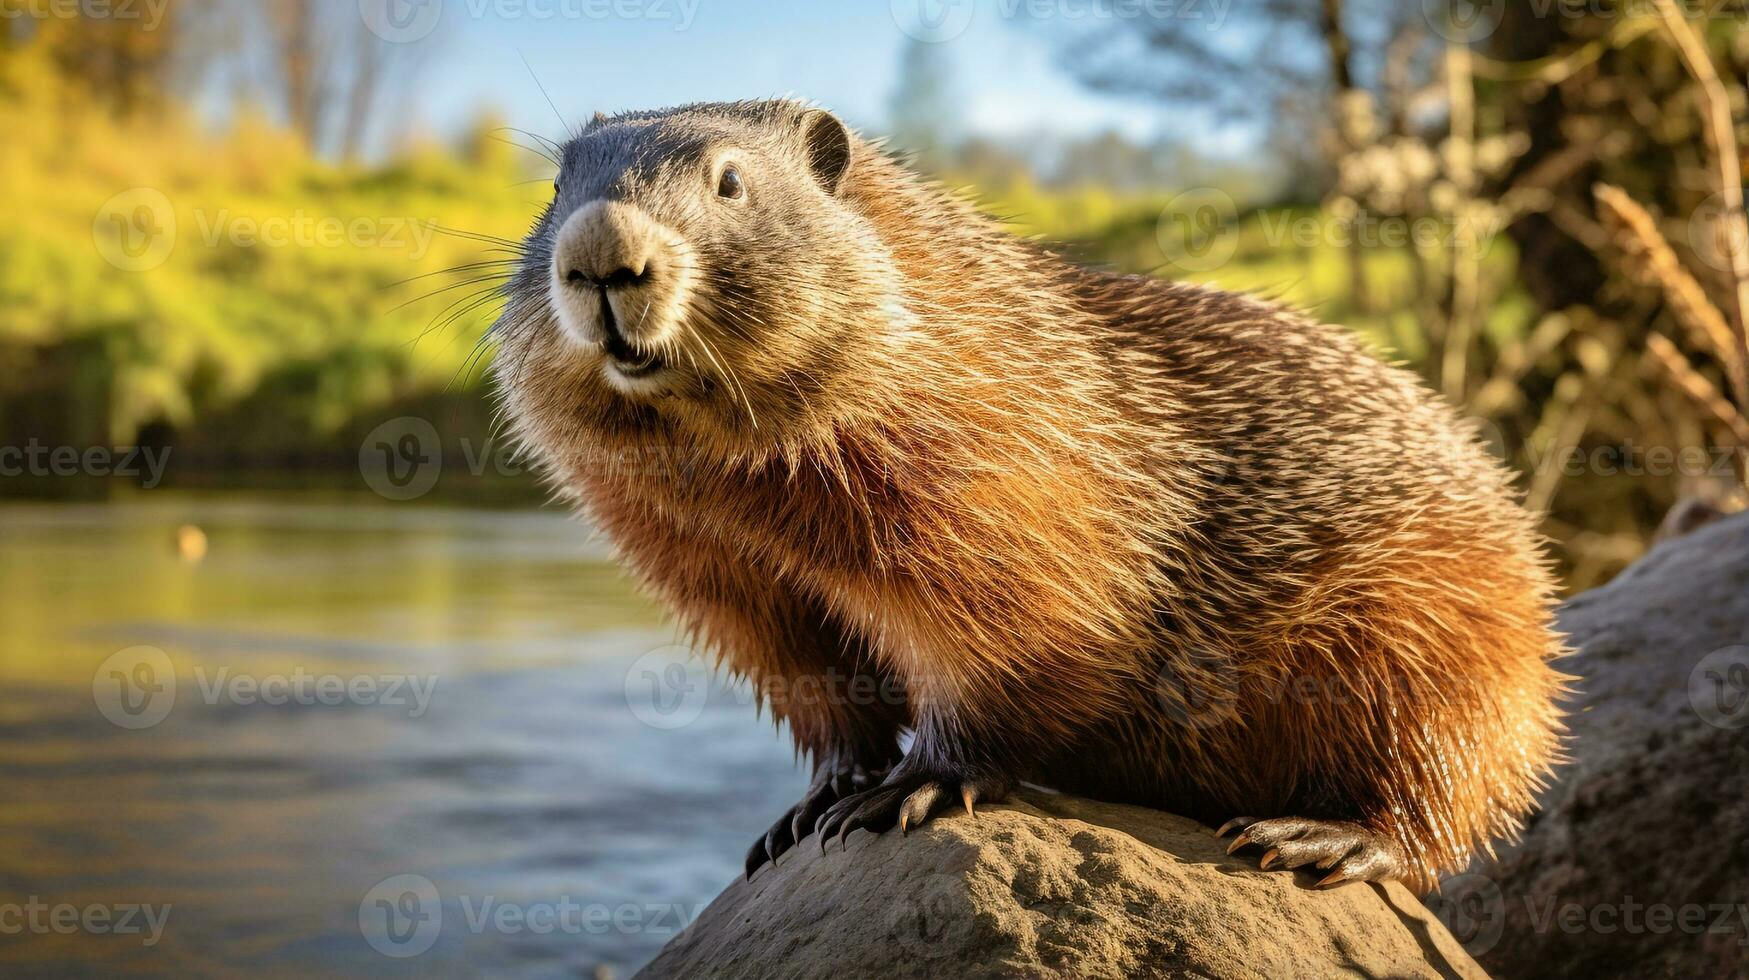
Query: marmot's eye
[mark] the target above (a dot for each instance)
(555, 185)
(729, 185)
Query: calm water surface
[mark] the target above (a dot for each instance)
(485, 745)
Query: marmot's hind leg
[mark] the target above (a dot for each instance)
(1350, 851)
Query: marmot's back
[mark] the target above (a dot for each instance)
(1318, 443)
(1371, 606)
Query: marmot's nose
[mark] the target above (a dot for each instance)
(605, 244)
(622, 276)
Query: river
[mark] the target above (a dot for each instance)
(353, 737)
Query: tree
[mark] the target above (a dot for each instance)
(328, 70)
(924, 117)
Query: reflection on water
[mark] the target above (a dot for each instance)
(357, 693)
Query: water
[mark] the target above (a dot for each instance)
(474, 707)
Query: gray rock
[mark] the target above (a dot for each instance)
(1048, 886)
(1638, 863)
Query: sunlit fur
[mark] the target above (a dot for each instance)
(1135, 539)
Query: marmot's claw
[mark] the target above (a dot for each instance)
(805, 814)
(828, 787)
(918, 805)
(772, 843)
(1234, 824)
(1356, 852)
(756, 855)
(875, 810)
(905, 801)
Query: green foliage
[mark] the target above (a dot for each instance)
(1292, 255)
(287, 312)
(200, 268)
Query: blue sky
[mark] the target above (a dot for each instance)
(622, 54)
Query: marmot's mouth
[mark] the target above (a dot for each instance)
(629, 359)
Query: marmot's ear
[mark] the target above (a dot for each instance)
(827, 144)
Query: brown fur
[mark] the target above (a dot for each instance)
(1140, 540)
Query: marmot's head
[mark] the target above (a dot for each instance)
(704, 268)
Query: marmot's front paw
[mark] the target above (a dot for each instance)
(1354, 851)
(908, 798)
(834, 780)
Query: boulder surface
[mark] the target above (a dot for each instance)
(1049, 886)
(1637, 864)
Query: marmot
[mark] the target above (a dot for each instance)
(1138, 540)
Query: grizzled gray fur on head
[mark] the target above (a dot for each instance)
(703, 247)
